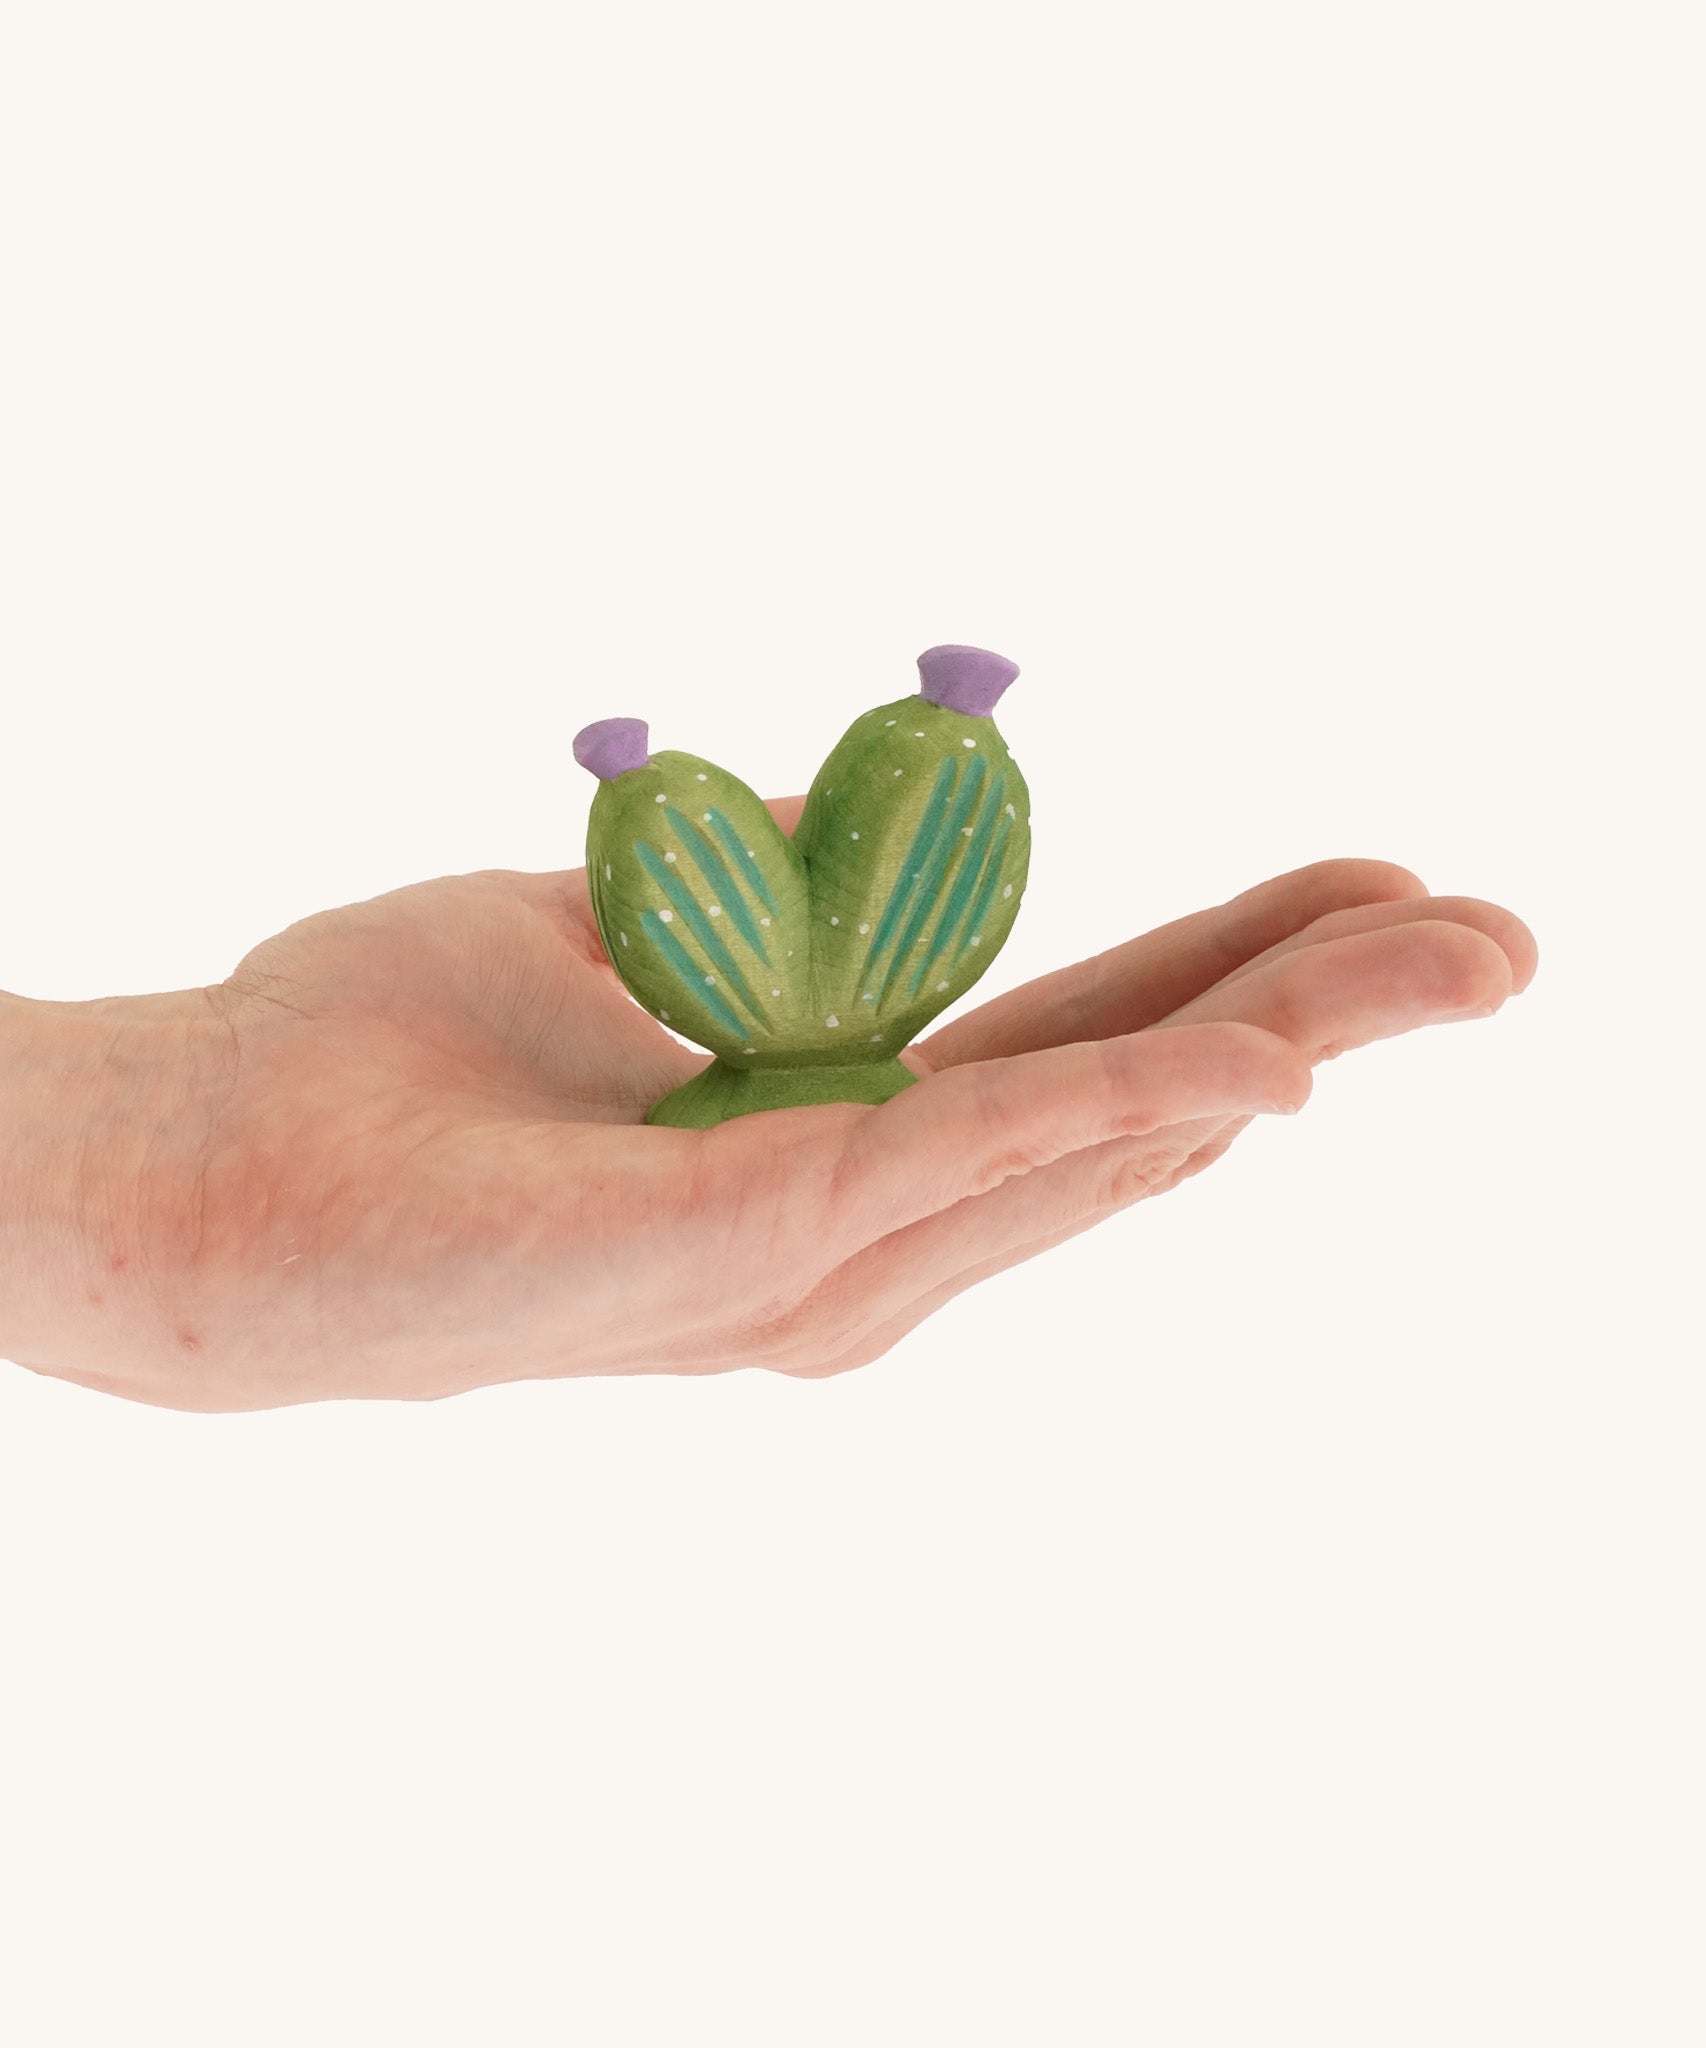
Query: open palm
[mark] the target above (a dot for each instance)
(424, 1166)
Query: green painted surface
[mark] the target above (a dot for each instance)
(722, 1091)
(807, 964)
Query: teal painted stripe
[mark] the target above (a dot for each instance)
(923, 843)
(696, 921)
(723, 885)
(965, 882)
(934, 869)
(743, 860)
(986, 890)
(695, 984)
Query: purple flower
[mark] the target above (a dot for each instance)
(968, 679)
(611, 746)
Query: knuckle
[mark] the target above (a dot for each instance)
(1008, 1164)
(1131, 1174)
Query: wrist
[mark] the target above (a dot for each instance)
(104, 1107)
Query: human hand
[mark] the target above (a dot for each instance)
(400, 1151)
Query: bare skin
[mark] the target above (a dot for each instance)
(399, 1152)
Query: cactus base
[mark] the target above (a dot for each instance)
(722, 1091)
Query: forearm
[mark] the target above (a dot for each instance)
(98, 1109)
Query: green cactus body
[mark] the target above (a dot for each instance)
(806, 965)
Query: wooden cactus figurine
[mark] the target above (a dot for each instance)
(806, 964)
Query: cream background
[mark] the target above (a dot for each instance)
(1272, 1618)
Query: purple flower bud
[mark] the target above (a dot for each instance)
(968, 679)
(611, 746)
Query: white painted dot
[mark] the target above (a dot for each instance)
(1008, 890)
(968, 743)
(867, 997)
(832, 1022)
(764, 920)
(660, 798)
(940, 986)
(749, 853)
(607, 871)
(966, 834)
(1013, 814)
(977, 938)
(715, 909)
(664, 1014)
(876, 1038)
(702, 778)
(775, 991)
(888, 721)
(917, 735)
(666, 917)
(752, 1048)
(864, 927)
(790, 952)
(835, 920)
(852, 835)
(669, 857)
(710, 981)
(623, 936)
(900, 771)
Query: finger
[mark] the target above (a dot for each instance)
(1506, 930)
(870, 1303)
(1326, 998)
(1136, 984)
(961, 1133)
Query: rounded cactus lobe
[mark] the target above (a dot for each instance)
(701, 903)
(916, 838)
(965, 679)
